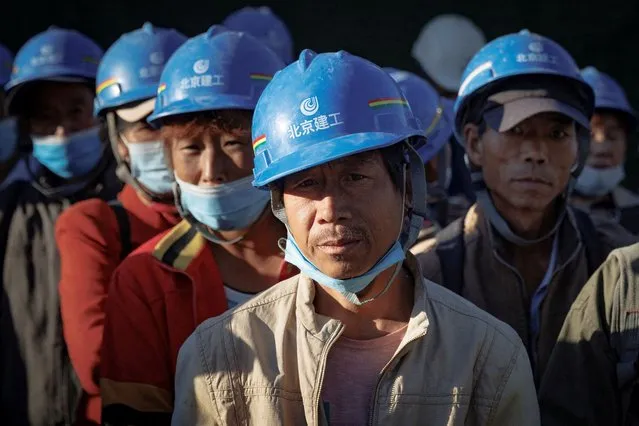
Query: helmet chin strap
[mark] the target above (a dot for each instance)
(201, 228)
(123, 170)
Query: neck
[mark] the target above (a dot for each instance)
(528, 223)
(260, 238)
(383, 315)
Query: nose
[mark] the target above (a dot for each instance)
(535, 152)
(598, 144)
(214, 170)
(333, 207)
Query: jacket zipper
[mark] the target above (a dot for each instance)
(400, 354)
(322, 368)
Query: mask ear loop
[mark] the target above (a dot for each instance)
(201, 228)
(123, 170)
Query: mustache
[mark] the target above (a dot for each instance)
(338, 233)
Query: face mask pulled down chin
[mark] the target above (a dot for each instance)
(348, 287)
(8, 138)
(594, 182)
(226, 207)
(149, 167)
(69, 156)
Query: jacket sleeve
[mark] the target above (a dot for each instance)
(579, 385)
(136, 373)
(194, 404)
(518, 402)
(87, 241)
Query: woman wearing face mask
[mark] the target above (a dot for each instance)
(598, 189)
(222, 253)
(51, 95)
(94, 236)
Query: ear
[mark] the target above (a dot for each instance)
(474, 145)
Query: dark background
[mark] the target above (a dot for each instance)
(603, 33)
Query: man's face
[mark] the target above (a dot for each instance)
(528, 166)
(608, 142)
(61, 109)
(344, 215)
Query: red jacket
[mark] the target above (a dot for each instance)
(89, 243)
(158, 296)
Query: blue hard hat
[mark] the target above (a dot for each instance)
(516, 55)
(56, 53)
(130, 69)
(608, 93)
(324, 107)
(426, 105)
(219, 69)
(265, 26)
(6, 63)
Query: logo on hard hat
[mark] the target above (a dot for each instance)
(47, 49)
(201, 66)
(156, 58)
(536, 47)
(309, 106)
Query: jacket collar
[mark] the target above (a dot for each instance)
(568, 234)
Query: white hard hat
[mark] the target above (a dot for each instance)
(445, 46)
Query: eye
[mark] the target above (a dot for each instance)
(232, 143)
(517, 130)
(355, 177)
(306, 183)
(559, 134)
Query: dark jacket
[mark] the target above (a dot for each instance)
(37, 383)
(582, 385)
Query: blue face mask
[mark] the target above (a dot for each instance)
(599, 182)
(348, 287)
(8, 138)
(226, 207)
(148, 166)
(69, 157)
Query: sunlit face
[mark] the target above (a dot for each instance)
(528, 166)
(344, 215)
(608, 142)
(213, 157)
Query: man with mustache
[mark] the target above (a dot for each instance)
(359, 337)
(520, 253)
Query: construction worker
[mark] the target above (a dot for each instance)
(593, 374)
(598, 189)
(359, 337)
(520, 253)
(222, 253)
(93, 236)
(426, 105)
(51, 94)
(264, 25)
